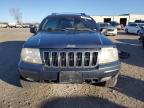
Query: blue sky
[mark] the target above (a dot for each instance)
(36, 10)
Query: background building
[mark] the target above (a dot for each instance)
(122, 19)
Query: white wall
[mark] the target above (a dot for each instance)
(136, 17)
(101, 18)
(130, 18)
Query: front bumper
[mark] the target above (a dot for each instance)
(41, 73)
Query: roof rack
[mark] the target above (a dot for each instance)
(82, 14)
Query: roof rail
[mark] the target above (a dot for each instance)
(54, 14)
(82, 14)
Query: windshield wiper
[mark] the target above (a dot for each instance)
(56, 29)
(85, 29)
(70, 29)
(67, 29)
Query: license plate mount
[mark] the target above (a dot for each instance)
(70, 77)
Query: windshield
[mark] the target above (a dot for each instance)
(68, 23)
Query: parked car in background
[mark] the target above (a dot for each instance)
(139, 21)
(141, 34)
(37, 25)
(134, 27)
(115, 24)
(3, 25)
(12, 25)
(19, 26)
(67, 48)
(107, 29)
(31, 26)
(25, 26)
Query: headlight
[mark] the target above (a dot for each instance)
(31, 55)
(108, 55)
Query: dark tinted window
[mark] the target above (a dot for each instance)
(132, 24)
(105, 25)
(90, 23)
(114, 23)
(139, 21)
(141, 25)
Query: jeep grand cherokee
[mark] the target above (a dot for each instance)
(67, 48)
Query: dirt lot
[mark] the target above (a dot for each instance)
(129, 92)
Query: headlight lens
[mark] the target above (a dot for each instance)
(108, 55)
(31, 55)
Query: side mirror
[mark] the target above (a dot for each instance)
(33, 29)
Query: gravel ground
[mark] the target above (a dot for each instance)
(129, 91)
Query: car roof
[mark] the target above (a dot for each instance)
(68, 14)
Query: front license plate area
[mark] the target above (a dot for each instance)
(70, 77)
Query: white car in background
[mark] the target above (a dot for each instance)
(116, 24)
(3, 25)
(134, 28)
(19, 26)
(12, 25)
(107, 29)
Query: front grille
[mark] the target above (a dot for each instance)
(70, 59)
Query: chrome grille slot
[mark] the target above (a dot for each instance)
(94, 58)
(87, 59)
(54, 59)
(79, 59)
(47, 58)
(62, 59)
(73, 59)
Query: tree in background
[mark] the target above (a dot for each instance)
(16, 14)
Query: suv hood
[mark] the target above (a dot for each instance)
(67, 40)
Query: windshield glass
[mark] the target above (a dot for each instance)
(68, 23)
